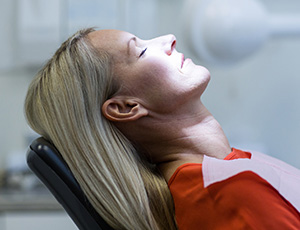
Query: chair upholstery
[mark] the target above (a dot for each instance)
(46, 162)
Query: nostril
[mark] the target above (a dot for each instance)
(173, 45)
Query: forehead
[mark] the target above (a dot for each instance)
(110, 40)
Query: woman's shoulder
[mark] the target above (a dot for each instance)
(192, 170)
(245, 195)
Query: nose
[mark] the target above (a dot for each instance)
(167, 43)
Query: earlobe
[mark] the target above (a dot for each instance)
(123, 110)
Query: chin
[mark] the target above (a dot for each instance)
(205, 77)
(204, 70)
(203, 73)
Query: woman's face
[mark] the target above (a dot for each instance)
(152, 70)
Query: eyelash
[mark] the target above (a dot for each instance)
(142, 53)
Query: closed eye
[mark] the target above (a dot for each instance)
(142, 53)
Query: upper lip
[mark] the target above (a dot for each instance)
(182, 60)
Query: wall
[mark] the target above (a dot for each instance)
(14, 130)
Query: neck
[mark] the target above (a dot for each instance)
(186, 139)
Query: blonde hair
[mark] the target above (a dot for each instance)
(63, 104)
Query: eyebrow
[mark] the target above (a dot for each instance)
(128, 44)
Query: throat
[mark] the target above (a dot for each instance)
(191, 145)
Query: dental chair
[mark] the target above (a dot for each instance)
(46, 162)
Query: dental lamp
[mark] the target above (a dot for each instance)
(226, 31)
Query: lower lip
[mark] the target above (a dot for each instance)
(185, 62)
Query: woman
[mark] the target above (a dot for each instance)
(127, 117)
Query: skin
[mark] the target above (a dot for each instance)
(159, 105)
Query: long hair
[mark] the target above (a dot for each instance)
(63, 104)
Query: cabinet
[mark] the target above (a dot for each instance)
(32, 211)
(36, 220)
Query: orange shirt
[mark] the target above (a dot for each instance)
(243, 201)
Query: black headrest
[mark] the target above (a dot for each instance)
(46, 162)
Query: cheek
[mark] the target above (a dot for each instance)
(156, 81)
(158, 71)
(156, 76)
(159, 85)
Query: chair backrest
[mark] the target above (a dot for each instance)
(46, 162)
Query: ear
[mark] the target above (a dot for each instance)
(123, 110)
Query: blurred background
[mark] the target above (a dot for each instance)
(254, 92)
